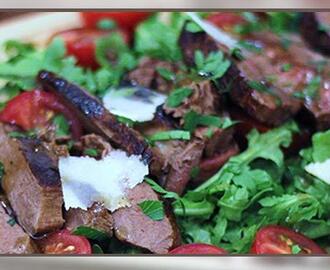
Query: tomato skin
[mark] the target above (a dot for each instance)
(197, 249)
(225, 19)
(63, 242)
(125, 20)
(81, 44)
(30, 110)
(274, 239)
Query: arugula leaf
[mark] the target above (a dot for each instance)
(97, 249)
(91, 233)
(290, 208)
(213, 66)
(153, 209)
(177, 96)
(166, 194)
(166, 73)
(321, 146)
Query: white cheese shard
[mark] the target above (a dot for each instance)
(136, 103)
(320, 169)
(86, 180)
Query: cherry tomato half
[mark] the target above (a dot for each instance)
(225, 19)
(275, 239)
(31, 109)
(197, 249)
(63, 242)
(125, 20)
(81, 44)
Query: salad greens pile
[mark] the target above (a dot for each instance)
(256, 188)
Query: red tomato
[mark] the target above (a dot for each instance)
(280, 240)
(80, 43)
(197, 249)
(125, 20)
(225, 19)
(33, 109)
(63, 242)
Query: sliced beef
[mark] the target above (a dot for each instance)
(178, 157)
(204, 100)
(92, 141)
(147, 75)
(315, 29)
(13, 239)
(132, 226)
(32, 183)
(96, 119)
(210, 165)
(308, 71)
(96, 217)
(273, 106)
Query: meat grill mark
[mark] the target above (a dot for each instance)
(41, 164)
(36, 202)
(95, 117)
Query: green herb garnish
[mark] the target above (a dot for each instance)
(91, 233)
(295, 249)
(193, 119)
(90, 152)
(62, 127)
(169, 135)
(213, 66)
(152, 209)
(177, 96)
(11, 221)
(166, 73)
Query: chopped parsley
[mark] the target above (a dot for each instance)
(166, 73)
(62, 127)
(261, 87)
(311, 90)
(90, 152)
(193, 27)
(295, 249)
(11, 221)
(153, 209)
(177, 96)
(213, 66)
(286, 67)
(20, 134)
(193, 119)
(169, 135)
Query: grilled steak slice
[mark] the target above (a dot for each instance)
(32, 183)
(96, 119)
(13, 239)
(204, 100)
(178, 157)
(96, 217)
(315, 29)
(272, 105)
(132, 226)
(147, 75)
(307, 78)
